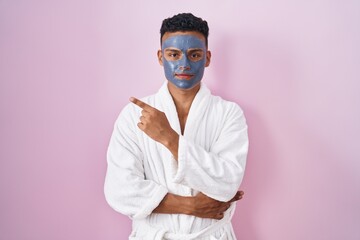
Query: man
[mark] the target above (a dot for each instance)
(176, 159)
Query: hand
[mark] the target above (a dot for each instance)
(206, 207)
(155, 124)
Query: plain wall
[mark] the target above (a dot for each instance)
(68, 67)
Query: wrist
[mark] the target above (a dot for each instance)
(185, 204)
(171, 142)
(189, 205)
(171, 139)
(175, 204)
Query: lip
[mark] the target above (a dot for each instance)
(183, 75)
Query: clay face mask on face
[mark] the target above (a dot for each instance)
(184, 72)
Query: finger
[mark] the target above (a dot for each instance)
(142, 119)
(237, 196)
(141, 104)
(224, 207)
(144, 113)
(219, 216)
(141, 125)
(227, 206)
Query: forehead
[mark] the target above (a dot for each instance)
(183, 40)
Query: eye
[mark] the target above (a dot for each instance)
(174, 55)
(196, 55)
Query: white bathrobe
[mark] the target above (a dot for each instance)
(211, 159)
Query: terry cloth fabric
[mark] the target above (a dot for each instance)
(211, 159)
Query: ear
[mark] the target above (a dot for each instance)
(160, 57)
(208, 58)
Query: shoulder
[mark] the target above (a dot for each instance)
(225, 107)
(228, 114)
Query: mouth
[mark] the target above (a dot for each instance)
(184, 76)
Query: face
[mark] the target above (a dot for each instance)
(184, 57)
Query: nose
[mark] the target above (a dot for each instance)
(184, 68)
(184, 63)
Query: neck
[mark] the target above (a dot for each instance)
(183, 97)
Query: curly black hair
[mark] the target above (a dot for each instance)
(184, 22)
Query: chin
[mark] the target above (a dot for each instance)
(184, 84)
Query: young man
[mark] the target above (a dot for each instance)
(176, 159)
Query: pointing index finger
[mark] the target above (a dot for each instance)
(141, 104)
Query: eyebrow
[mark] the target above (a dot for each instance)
(178, 50)
(195, 49)
(172, 49)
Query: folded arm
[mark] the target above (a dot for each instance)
(200, 205)
(218, 172)
(128, 192)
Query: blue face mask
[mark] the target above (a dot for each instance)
(184, 72)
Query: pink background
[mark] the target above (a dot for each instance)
(68, 67)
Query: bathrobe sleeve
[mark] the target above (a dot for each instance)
(126, 189)
(216, 173)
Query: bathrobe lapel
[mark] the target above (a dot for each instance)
(197, 110)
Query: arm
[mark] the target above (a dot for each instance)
(126, 189)
(200, 206)
(216, 173)
(155, 124)
(219, 171)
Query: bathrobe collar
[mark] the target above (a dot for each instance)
(197, 109)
